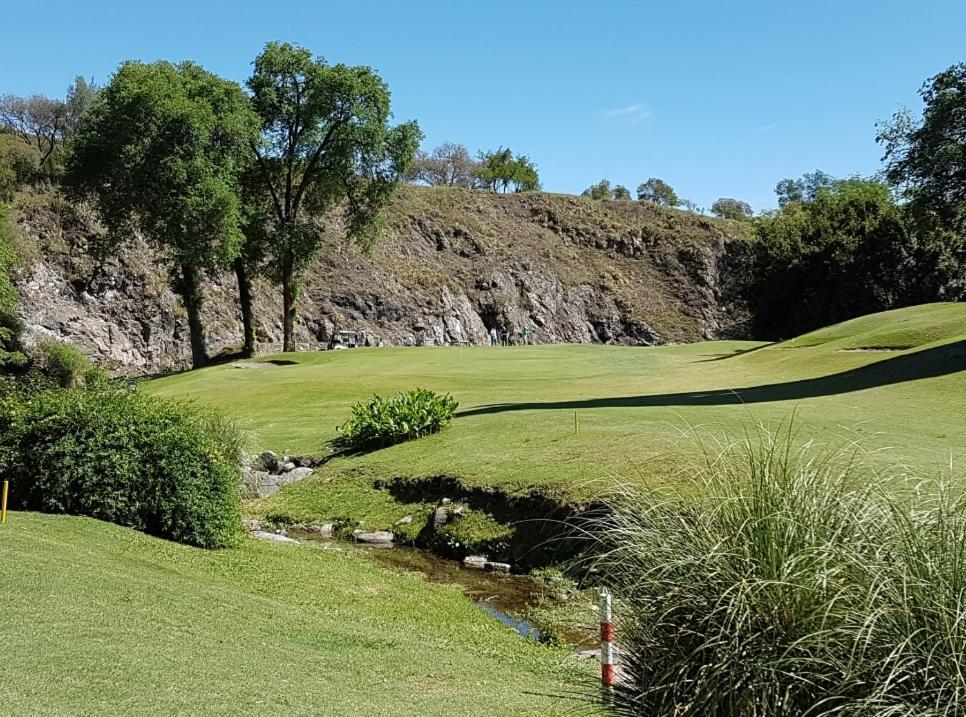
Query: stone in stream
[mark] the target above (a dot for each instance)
(274, 537)
(323, 529)
(294, 474)
(440, 518)
(477, 562)
(497, 567)
(375, 537)
(267, 461)
(258, 484)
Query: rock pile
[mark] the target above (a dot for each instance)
(266, 473)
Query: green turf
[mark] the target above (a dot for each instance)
(99, 619)
(515, 428)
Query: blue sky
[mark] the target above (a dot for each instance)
(718, 98)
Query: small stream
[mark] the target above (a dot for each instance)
(501, 596)
(504, 597)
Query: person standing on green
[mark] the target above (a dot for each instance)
(525, 335)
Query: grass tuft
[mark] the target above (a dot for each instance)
(793, 584)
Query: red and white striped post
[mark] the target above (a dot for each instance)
(606, 643)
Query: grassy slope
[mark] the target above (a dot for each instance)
(99, 619)
(517, 429)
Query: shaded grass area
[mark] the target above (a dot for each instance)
(99, 619)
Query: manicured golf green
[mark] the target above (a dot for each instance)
(894, 382)
(99, 619)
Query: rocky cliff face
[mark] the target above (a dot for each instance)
(454, 264)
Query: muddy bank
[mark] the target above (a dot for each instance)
(529, 530)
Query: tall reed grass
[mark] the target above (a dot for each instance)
(790, 581)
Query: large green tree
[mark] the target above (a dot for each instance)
(927, 156)
(326, 146)
(804, 189)
(727, 208)
(657, 191)
(850, 250)
(161, 152)
(600, 191)
(501, 169)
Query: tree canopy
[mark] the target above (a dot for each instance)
(621, 193)
(448, 165)
(326, 145)
(727, 208)
(926, 157)
(658, 191)
(850, 250)
(804, 189)
(45, 124)
(599, 191)
(161, 153)
(501, 169)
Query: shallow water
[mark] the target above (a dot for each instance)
(504, 597)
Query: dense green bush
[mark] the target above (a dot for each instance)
(119, 455)
(848, 249)
(792, 586)
(63, 364)
(381, 422)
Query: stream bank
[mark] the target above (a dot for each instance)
(513, 554)
(547, 606)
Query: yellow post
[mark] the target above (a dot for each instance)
(3, 503)
(576, 425)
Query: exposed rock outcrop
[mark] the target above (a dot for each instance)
(453, 265)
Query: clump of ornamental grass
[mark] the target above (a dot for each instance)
(788, 581)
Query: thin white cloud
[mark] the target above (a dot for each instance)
(635, 112)
(765, 127)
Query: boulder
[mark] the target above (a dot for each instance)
(273, 537)
(440, 518)
(258, 484)
(375, 537)
(497, 567)
(477, 562)
(293, 475)
(323, 529)
(266, 461)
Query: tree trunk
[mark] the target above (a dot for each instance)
(192, 298)
(245, 300)
(289, 299)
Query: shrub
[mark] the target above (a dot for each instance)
(789, 586)
(65, 365)
(381, 422)
(164, 468)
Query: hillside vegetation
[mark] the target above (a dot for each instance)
(892, 383)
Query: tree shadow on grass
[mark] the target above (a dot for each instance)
(928, 363)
